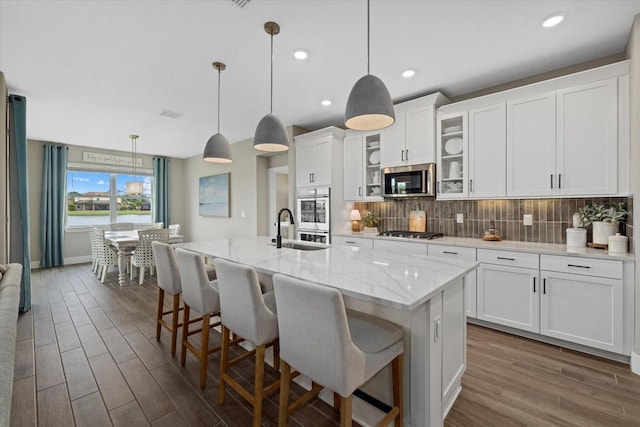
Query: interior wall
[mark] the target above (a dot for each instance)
(242, 195)
(76, 245)
(4, 256)
(633, 53)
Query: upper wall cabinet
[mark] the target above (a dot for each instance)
(563, 137)
(362, 177)
(314, 156)
(411, 139)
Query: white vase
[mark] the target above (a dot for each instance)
(370, 230)
(602, 231)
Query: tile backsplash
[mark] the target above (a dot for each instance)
(550, 216)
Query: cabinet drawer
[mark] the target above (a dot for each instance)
(409, 248)
(352, 241)
(513, 259)
(468, 254)
(584, 266)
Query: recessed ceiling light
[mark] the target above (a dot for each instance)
(554, 20)
(326, 102)
(300, 54)
(408, 74)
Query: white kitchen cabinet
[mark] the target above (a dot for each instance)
(356, 242)
(411, 139)
(314, 151)
(508, 289)
(362, 176)
(467, 254)
(487, 151)
(531, 142)
(452, 146)
(582, 301)
(587, 139)
(564, 143)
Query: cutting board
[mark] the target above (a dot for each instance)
(418, 221)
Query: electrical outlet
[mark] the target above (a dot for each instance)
(459, 218)
(527, 219)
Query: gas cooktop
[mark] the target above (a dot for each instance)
(411, 234)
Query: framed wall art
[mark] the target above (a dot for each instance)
(214, 196)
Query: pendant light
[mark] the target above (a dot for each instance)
(270, 134)
(369, 106)
(133, 188)
(218, 149)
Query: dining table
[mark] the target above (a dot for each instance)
(125, 243)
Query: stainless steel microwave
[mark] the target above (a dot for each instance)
(409, 181)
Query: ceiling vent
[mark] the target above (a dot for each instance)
(240, 3)
(170, 114)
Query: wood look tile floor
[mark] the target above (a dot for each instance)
(86, 354)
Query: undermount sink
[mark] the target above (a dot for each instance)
(300, 246)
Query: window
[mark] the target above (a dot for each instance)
(99, 198)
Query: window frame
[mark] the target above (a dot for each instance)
(113, 196)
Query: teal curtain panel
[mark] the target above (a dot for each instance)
(52, 203)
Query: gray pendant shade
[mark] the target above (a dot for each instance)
(369, 106)
(271, 135)
(217, 150)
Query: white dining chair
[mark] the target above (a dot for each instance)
(107, 255)
(142, 257)
(121, 226)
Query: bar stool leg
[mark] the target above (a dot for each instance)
(398, 387)
(259, 385)
(204, 350)
(185, 333)
(345, 411)
(224, 361)
(174, 323)
(285, 377)
(160, 310)
(336, 402)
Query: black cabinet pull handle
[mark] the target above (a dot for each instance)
(406, 154)
(559, 180)
(544, 286)
(551, 180)
(506, 259)
(534, 285)
(578, 266)
(450, 253)
(471, 185)
(402, 155)
(350, 242)
(438, 186)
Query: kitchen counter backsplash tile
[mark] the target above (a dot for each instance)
(551, 217)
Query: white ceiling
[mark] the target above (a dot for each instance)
(94, 72)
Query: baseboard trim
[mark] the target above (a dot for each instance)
(635, 363)
(67, 261)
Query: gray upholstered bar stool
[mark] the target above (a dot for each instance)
(334, 348)
(201, 295)
(250, 314)
(168, 282)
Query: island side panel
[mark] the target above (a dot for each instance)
(454, 344)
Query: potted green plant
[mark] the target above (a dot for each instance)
(370, 221)
(604, 218)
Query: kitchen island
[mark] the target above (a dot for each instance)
(422, 294)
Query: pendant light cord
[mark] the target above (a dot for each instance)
(218, 99)
(368, 32)
(271, 108)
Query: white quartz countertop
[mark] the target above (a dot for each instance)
(387, 278)
(507, 245)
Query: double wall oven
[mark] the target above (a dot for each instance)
(314, 214)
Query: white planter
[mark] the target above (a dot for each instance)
(602, 231)
(370, 230)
